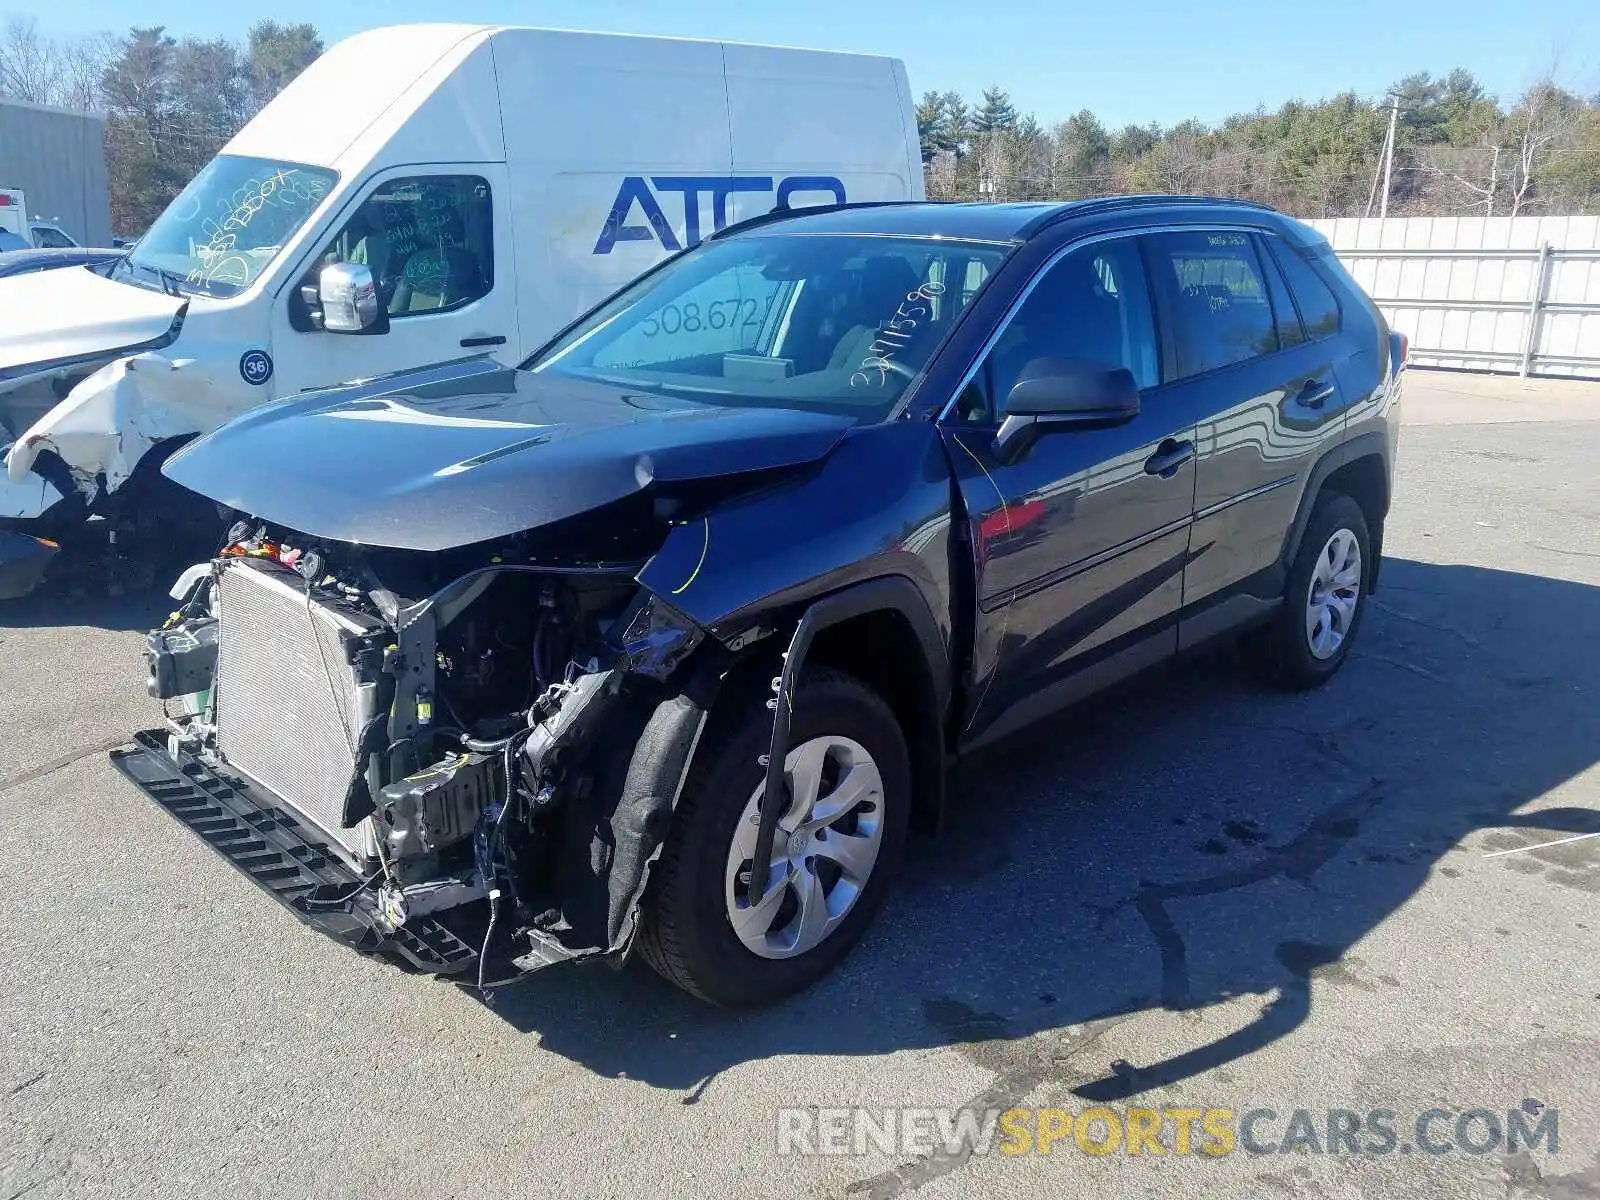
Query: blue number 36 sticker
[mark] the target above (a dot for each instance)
(255, 366)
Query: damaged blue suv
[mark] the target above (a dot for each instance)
(664, 639)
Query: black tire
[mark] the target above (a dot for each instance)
(686, 935)
(1281, 651)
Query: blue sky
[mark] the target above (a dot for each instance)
(1160, 60)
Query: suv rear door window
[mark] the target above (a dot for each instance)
(1213, 296)
(1319, 311)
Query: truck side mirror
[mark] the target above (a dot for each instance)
(1063, 393)
(349, 298)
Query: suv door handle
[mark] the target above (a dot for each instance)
(1314, 392)
(497, 339)
(1169, 456)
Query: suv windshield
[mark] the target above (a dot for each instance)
(229, 223)
(835, 323)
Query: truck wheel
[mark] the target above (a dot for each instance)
(834, 851)
(1322, 605)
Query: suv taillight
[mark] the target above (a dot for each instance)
(1399, 349)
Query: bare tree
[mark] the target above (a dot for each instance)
(83, 64)
(995, 169)
(941, 175)
(28, 63)
(44, 70)
(1543, 119)
(1458, 171)
(1177, 163)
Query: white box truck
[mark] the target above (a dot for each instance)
(485, 185)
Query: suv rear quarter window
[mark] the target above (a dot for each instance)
(1213, 298)
(1319, 311)
(1290, 333)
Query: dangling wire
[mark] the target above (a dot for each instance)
(495, 850)
(340, 901)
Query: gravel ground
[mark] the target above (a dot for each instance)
(1189, 894)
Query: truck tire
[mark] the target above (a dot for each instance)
(1323, 602)
(851, 777)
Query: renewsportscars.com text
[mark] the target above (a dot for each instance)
(1134, 1131)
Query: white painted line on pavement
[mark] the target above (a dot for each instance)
(1577, 837)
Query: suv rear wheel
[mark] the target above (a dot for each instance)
(1323, 603)
(834, 850)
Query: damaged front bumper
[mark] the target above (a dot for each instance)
(411, 861)
(284, 856)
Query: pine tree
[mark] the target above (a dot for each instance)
(996, 114)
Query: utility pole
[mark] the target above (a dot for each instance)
(1388, 154)
(1372, 192)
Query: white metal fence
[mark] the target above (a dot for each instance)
(1510, 294)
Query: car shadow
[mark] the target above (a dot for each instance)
(86, 588)
(1188, 839)
(55, 605)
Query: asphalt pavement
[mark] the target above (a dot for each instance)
(1191, 893)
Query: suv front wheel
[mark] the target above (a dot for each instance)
(834, 850)
(1323, 603)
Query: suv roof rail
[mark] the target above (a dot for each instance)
(1064, 210)
(783, 214)
(1097, 204)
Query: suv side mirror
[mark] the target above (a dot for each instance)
(1054, 394)
(348, 296)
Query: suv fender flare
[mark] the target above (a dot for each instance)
(1366, 445)
(899, 595)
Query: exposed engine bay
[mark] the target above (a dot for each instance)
(475, 739)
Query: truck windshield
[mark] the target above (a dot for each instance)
(834, 323)
(229, 223)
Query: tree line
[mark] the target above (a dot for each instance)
(170, 103)
(1457, 151)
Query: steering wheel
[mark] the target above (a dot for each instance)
(898, 368)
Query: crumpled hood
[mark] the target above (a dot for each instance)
(469, 451)
(53, 318)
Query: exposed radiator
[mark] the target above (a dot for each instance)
(289, 707)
